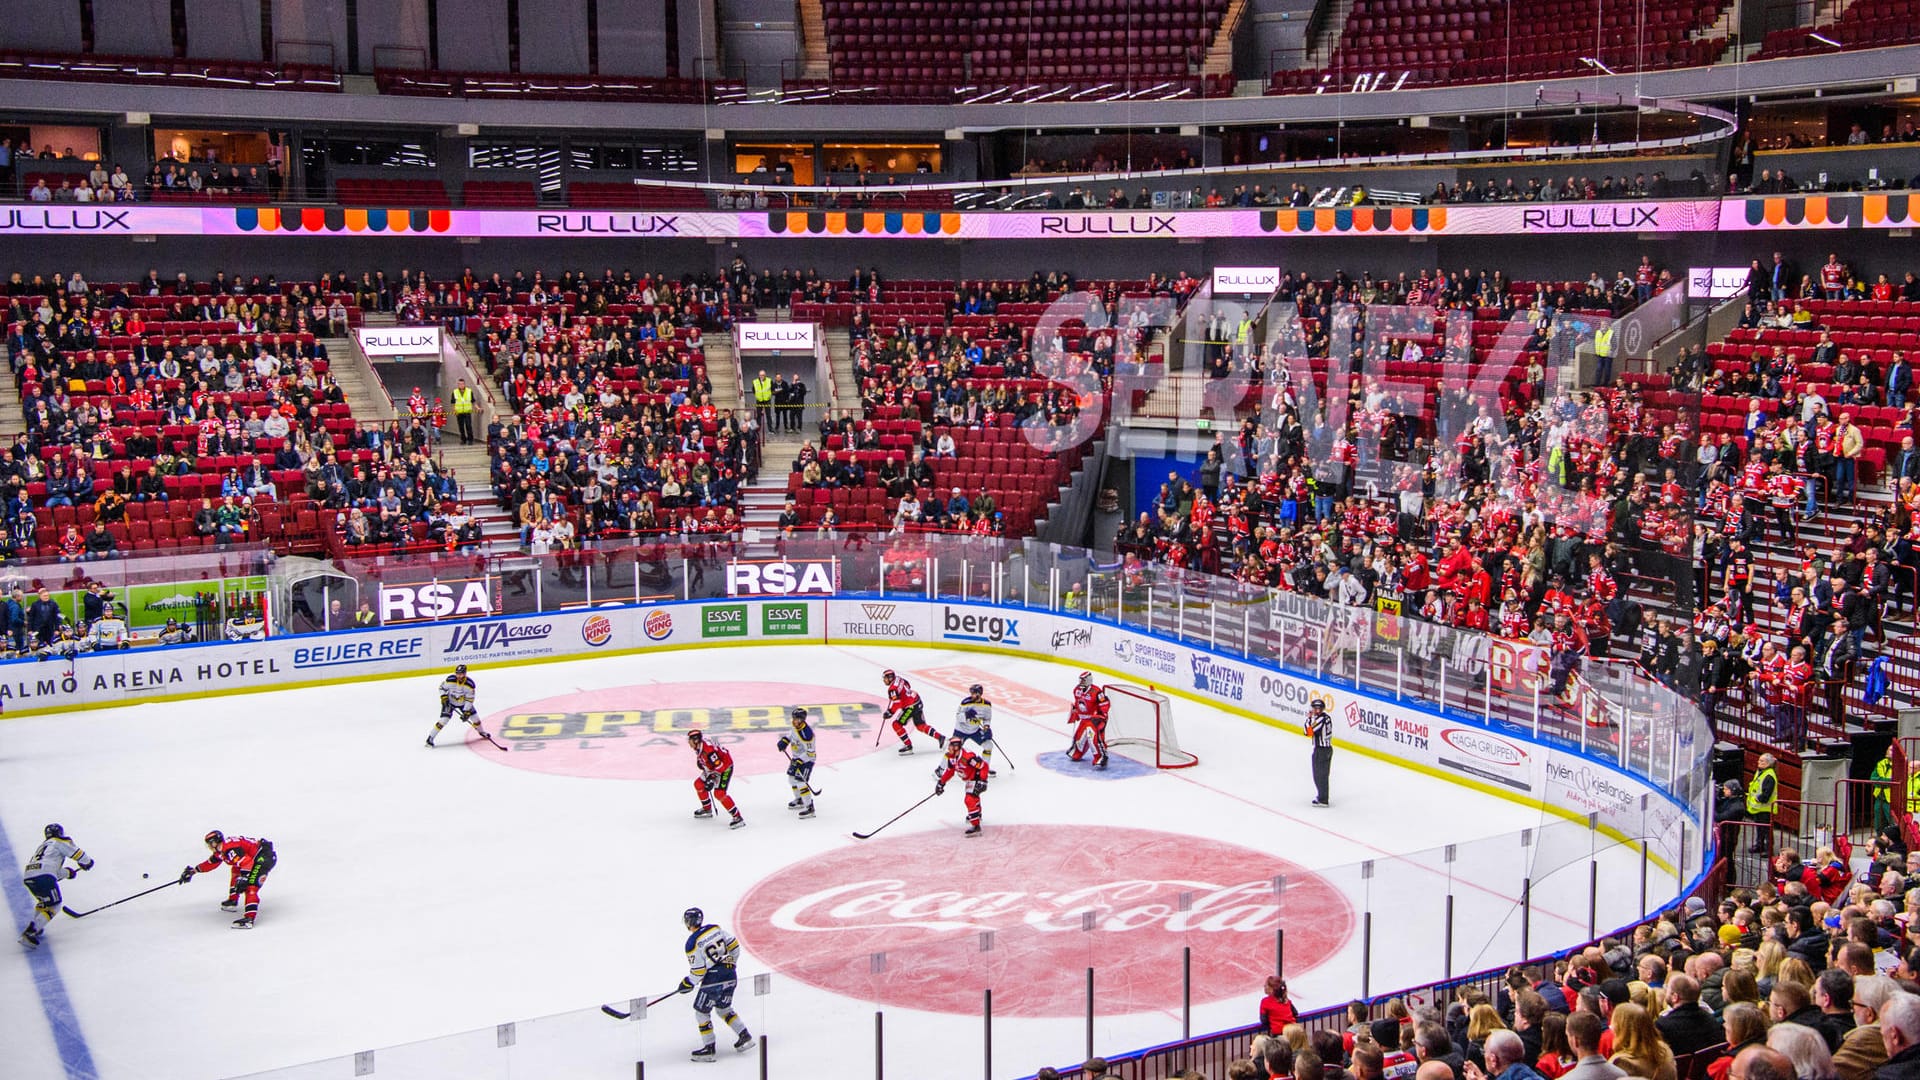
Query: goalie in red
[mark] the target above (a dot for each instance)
(1089, 718)
(905, 707)
(972, 770)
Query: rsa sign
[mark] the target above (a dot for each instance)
(446, 599)
(807, 577)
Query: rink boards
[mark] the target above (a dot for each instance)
(1493, 759)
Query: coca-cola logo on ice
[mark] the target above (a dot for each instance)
(928, 920)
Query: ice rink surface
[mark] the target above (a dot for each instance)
(423, 893)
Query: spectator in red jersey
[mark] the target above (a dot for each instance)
(1276, 1009)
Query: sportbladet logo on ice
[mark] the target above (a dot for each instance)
(1216, 678)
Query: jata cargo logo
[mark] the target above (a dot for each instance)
(816, 578)
(597, 631)
(988, 629)
(659, 625)
(640, 732)
(1146, 656)
(489, 636)
(887, 921)
(1369, 721)
(1216, 678)
(1485, 755)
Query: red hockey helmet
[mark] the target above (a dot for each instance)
(887, 675)
(1086, 678)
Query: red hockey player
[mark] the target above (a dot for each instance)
(249, 860)
(1090, 707)
(972, 770)
(904, 707)
(715, 763)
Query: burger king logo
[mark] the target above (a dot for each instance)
(659, 625)
(597, 631)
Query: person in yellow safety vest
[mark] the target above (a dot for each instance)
(1763, 796)
(1913, 793)
(463, 411)
(1603, 353)
(1882, 790)
(763, 399)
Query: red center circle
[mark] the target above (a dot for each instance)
(640, 732)
(928, 921)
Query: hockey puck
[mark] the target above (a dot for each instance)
(143, 875)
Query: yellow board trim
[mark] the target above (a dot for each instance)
(1608, 831)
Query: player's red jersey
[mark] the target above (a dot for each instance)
(901, 695)
(966, 764)
(1090, 703)
(712, 759)
(1602, 586)
(235, 851)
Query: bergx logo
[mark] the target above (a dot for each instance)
(999, 925)
(1216, 678)
(991, 629)
(487, 636)
(782, 579)
(434, 600)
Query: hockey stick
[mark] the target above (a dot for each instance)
(811, 790)
(489, 737)
(117, 903)
(896, 817)
(618, 1015)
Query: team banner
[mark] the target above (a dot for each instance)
(1878, 211)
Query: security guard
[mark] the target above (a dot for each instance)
(1882, 781)
(763, 399)
(1763, 796)
(1320, 730)
(463, 411)
(1603, 354)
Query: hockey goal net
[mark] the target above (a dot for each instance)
(1142, 716)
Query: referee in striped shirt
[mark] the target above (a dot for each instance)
(1320, 730)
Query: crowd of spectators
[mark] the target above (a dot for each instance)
(617, 433)
(1531, 515)
(1812, 975)
(237, 396)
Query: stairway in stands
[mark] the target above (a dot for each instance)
(13, 417)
